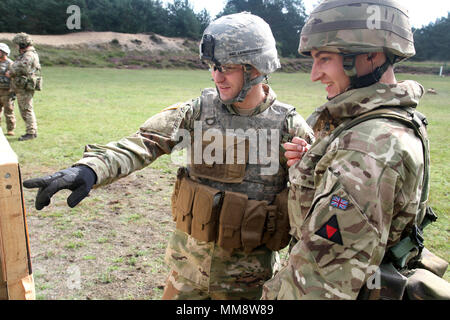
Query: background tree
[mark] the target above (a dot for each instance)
(432, 42)
(285, 17)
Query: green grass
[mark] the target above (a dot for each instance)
(92, 105)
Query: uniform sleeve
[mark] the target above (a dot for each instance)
(157, 136)
(343, 238)
(297, 127)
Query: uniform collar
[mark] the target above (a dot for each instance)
(358, 101)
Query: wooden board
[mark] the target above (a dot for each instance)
(16, 280)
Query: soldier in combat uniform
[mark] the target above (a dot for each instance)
(358, 198)
(231, 216)
(25, 79)
(6, 96)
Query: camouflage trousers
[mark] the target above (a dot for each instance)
(7, 106)
(25, 102)
(179, 288)
(203, 270)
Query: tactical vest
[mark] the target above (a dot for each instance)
(214, 115)
(233, 203)
(4, 80)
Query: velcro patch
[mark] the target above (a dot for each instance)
(339, 202)
(330, 231)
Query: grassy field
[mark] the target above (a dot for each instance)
(86, 105)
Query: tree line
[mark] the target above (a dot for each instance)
(178, 19)
(432, 42)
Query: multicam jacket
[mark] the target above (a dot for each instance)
(201, 262)
(352, 198)
(25, 67)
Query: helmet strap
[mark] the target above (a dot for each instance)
(366, 80)
(248, 84)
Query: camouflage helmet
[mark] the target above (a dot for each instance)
(359, 26)
(4, 47)
(240, 38)
(22, 40)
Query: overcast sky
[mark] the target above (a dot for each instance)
(422, 12)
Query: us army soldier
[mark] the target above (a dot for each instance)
(25, 79)
(230, 216)
(6, 96)
(358, 198)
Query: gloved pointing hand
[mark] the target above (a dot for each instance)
(79, 179)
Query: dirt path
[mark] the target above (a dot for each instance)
(140, 42)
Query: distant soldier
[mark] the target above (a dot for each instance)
(25, 79)
(6, 96)
(230, 212)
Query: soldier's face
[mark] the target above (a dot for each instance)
(328, 69)
(230, 81)
(3, 55)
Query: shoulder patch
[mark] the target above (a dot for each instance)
(330, 231)
(339, 202)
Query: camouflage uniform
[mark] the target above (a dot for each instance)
(361, 191)
(23, 77)
(350, 204)
(202, 269)
(6, 101)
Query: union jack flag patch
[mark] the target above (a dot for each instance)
(339, 202)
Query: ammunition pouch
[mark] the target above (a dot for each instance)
(20, 82)
(205, 211)
(4, 82)
(388, 284)
(230, 221)
(30, 83)
(431, 262)
(421, 280)
(279, 223)
(183, 205)
(39, 84)
(229, 218)
(425, 285)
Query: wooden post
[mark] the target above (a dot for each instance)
(16, 278)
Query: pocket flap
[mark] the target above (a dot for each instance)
(203, 204)
(186, 196)
(233, 208)
(253, 225)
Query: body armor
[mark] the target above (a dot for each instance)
(215, 115)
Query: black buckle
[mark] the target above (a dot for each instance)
(349, 60)
(417, 237)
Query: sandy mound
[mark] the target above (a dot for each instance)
(140, 42)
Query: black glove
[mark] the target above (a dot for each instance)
(79, 179)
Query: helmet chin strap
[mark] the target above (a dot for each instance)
(366, 80)
(248, 84)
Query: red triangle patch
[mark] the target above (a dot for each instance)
(330, 231)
